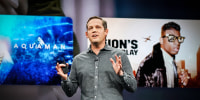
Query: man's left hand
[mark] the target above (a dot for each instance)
(117, 66)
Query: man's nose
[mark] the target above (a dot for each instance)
(94, 30)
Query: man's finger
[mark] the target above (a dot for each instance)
(116, 58)
(57, 65)
(67, 64)
(112, 61)
(120, 62)
(62, 65)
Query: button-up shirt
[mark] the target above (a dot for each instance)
(95, 76)
(170, 68)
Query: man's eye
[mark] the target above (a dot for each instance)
(89, 28)
(98, 27)
(181, 38)
(171, 38)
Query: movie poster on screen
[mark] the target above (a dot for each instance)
(136, 37)
(30, 47)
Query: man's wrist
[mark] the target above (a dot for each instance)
(121, 73)
(64, 77)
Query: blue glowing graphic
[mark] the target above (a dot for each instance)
(30, 47)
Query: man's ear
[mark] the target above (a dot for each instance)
(161, 40)
(86, 34)
(106, 32)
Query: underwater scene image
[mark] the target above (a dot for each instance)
(30, 47)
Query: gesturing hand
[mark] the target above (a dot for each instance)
(184, 77)
(117, 66)
(60, 71)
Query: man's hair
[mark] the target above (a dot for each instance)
(170, 25)
(96, 17)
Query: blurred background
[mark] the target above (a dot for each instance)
(80, 11)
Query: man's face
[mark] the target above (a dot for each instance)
(95, 31)
(172, 48)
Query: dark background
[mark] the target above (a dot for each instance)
(155, 9)
(164, 9)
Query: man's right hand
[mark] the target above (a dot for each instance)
(60, 71)
(184, 77)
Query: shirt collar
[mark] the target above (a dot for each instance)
(106, 47)
(166, 56)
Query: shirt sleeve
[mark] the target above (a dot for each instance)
(128, 80)
(71, 84)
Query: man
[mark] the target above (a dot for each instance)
(101, 72)
(158, 69)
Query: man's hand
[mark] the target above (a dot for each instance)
(60, 71)
(117, 66)
(184, 77)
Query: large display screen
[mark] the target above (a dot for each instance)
(30, 47)
(137, 36)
